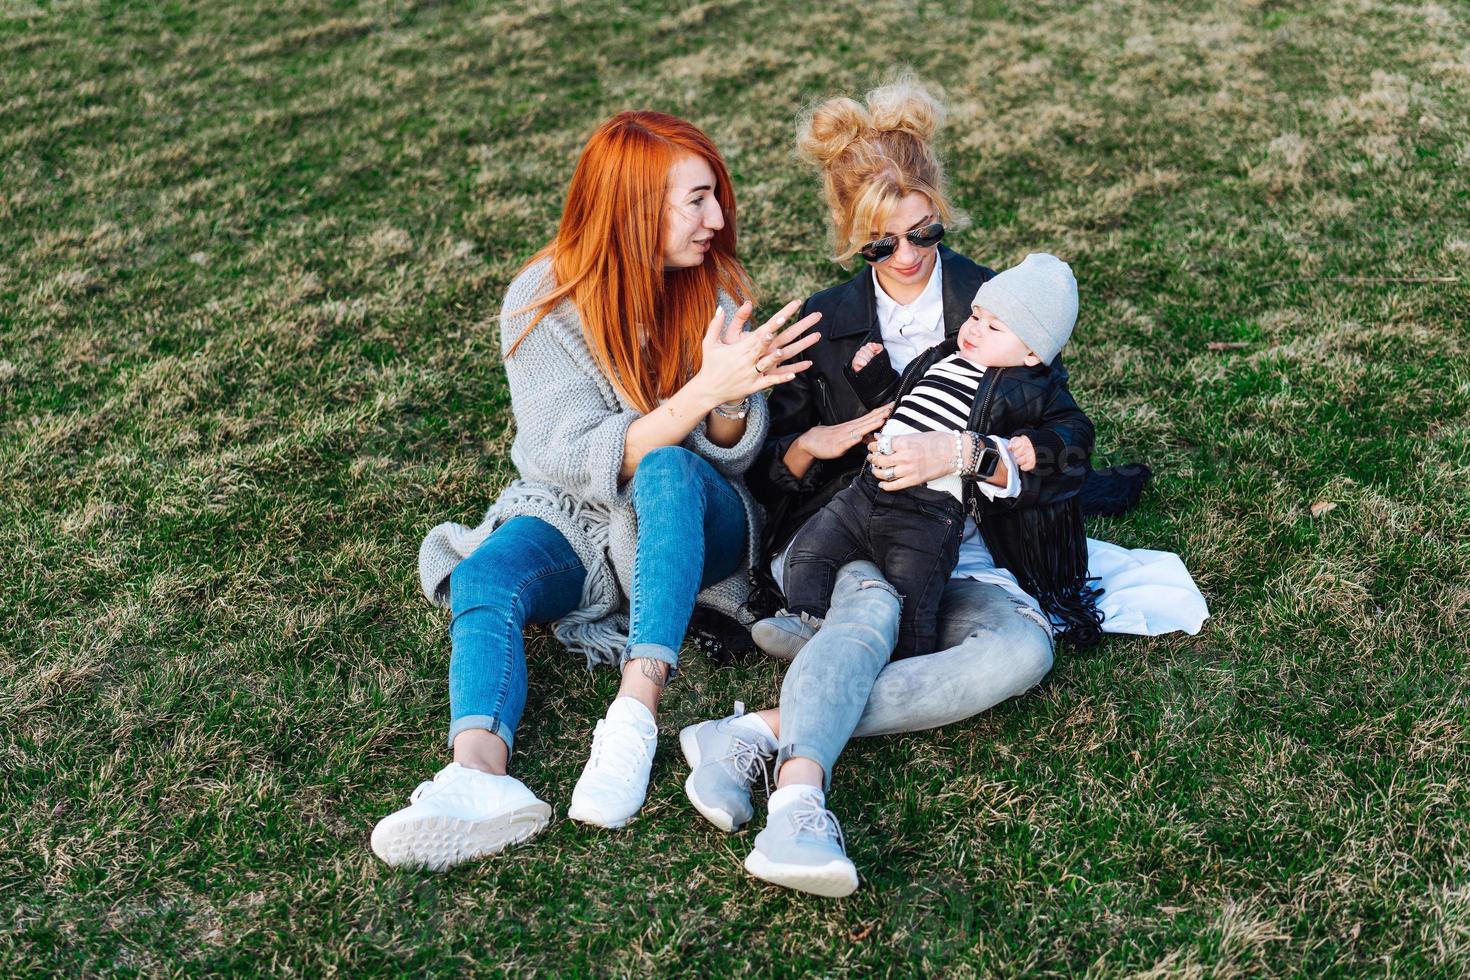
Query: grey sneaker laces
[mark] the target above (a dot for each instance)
(815, 622)
(816, 819)
(746, 759)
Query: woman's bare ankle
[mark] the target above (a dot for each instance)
(799, 771)
(644, 680)
(476, 748)
(772, 717)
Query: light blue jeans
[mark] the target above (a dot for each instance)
(991, 647)
(691, 532)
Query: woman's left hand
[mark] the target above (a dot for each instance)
(916, 458)
(738, 363)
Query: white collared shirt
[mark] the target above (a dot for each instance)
(912, 328)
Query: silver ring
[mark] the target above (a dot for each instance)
(884, 445)
(886, 473)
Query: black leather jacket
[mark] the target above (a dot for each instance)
(826, 394)
(1011, 401)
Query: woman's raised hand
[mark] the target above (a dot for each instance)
(784, 344)
(832, 441)
(738, 363)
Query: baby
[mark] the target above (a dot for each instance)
(992, 378)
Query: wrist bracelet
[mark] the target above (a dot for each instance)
(977, 443)
(959, 453)
(736, 412)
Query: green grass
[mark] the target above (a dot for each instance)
(248, 260)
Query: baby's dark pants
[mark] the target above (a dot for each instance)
(912, 535)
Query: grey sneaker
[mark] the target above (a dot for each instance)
(784, 634)
(724, 760)
(802, 848)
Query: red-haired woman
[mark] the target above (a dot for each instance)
(636, 414)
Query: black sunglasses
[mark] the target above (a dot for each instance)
(925, 237)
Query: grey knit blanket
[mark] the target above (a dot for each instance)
(570, 431)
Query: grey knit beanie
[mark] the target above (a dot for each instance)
(1037, 300)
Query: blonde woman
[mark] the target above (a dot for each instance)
(888, 204)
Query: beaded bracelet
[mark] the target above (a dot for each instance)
(977, 450)
(959, 453)
(972, 462)
(733, 414)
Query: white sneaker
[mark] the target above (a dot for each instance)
(615, 779)
(460, 815)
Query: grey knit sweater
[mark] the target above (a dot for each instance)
(570, 431)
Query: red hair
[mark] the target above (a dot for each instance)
(643, 325)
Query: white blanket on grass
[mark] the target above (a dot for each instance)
(1145, 592)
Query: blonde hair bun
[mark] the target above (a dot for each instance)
(901, 106)
(905, 106)
(831, 128)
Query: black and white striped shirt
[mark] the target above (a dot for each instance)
(942, 399)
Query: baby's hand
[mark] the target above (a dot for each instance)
(865, 355)
(1023, 453)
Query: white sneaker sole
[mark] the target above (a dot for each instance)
(689, 743)
(583, 814)
(439, 843)
(835, 879)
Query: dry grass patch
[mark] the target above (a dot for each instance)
(249, 264)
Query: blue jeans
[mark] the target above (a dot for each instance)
(524, 572)
(992, 647)
(691, 531)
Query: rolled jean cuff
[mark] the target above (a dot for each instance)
(651, 651)
(490, 723)
(812, 752)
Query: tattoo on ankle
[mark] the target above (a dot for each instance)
(655, 670)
